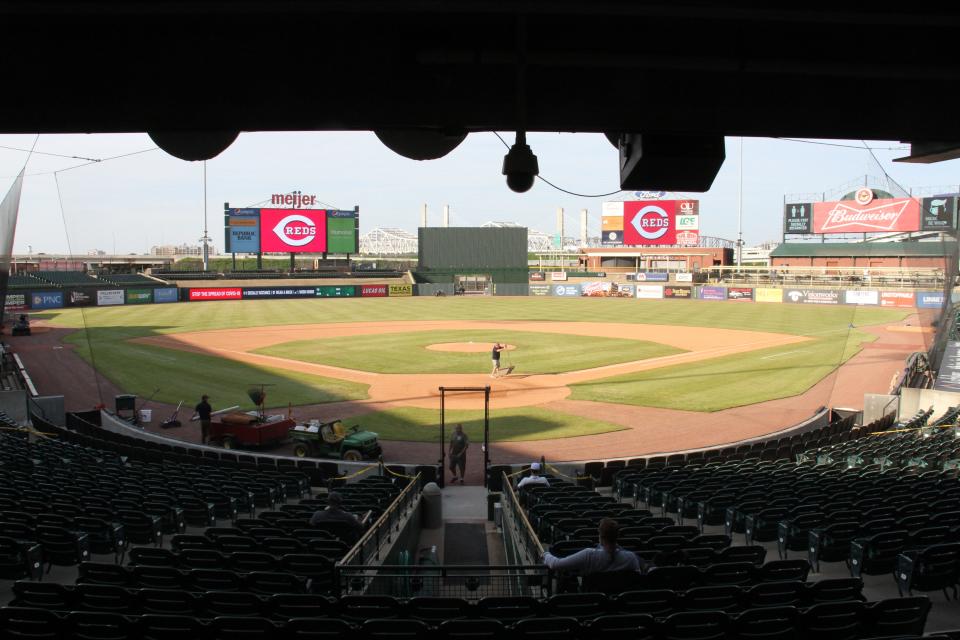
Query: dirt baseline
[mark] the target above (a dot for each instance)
(421, 390)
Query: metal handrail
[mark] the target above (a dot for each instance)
(520, 516)
(381, 530)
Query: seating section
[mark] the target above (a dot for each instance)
(67, 278)
(113, 611)
(129, 279)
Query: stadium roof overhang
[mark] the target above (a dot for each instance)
(694, 68)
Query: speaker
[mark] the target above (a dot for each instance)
(665, 162)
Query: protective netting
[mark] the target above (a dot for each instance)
(9, 209)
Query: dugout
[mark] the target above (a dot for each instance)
(483, 260)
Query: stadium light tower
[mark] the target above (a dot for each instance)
(206, 237)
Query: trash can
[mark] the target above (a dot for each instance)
(146, 415)
(432, 506)
(492, 499)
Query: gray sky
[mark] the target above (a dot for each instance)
(151, 198)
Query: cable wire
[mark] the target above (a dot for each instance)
(83, 315)
(85, 164)
(837, 144)
(48, 153)
(572, 193)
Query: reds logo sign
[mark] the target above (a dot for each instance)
(296, 230)
(649, 222)
(304, 230)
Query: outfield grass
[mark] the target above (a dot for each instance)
(506, 425)
(181, 375)
(173, 318)
(730, 381)
(705, 386)
(408, 353)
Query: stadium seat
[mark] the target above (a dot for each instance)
(169, 627)
(546, 629)
(85, 625)
(28, 623)
(320, 629)
(694, 625)
(768, 623)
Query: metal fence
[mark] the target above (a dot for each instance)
(426, 578)
(380, 536)
(522, 543)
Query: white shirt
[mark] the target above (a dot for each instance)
(532, 480)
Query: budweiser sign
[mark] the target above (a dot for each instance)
(848, 216)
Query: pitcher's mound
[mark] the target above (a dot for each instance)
(466, 347)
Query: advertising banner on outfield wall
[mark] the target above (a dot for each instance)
(138, 296)
(565, 290)
(538, 276)
(740, 293)
(652, 277)
(165, 294)
(626, 290)
(46, 300)
(684, 293)
(712, 293)
(683, 277)
(812, 296)
(768, 295)
(649, 291)
(540, 289)
(263, 293)
(216, 293)
(900, 299)
(80, 298)
(400, 290)
(344, 291)
(929, 299)
(861, 296)
(15, 302)
(110, 297)
(558, 276)
(596, 289)
(372, 290)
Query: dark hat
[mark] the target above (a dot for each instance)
(334, 498)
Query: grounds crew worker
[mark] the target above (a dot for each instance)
(203, 412)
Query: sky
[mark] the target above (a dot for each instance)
(129, 204)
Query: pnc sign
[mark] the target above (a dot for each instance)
(285, 231)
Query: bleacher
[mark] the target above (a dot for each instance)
(24, 281)
(161, 532)
(879, 500)
(121, 279)
(67, 278)
(190, 544)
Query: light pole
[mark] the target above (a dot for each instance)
(740, 208)
(205, 239)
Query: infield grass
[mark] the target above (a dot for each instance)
(408, 353)
(506, 425)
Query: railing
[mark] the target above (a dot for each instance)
(518, 533)
(449, 581)
(370, 547)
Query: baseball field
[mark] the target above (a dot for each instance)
(582, 366)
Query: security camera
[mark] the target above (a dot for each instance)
(520, 165)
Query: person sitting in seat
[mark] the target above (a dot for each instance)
(607, 556)
(534, 478)
(335, 513)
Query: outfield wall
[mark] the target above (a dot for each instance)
(888, 298)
